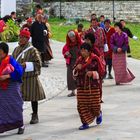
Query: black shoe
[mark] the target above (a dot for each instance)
(34, 119)
(71, 94)
(129, 55)
(21, 130)
(44, 65)
(110, 76)
(117, 84)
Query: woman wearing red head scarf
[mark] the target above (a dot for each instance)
(71, 52)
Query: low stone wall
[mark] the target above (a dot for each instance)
(128, 10)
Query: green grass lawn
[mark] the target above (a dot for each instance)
(60, 30)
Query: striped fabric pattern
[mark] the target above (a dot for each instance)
(88, 104)
(11, 104)
(32, 89)
(122, 73)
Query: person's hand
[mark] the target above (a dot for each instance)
(68, 54)
(119, 50)
(89, 73)
(23, 65)
(79, 67)
(4, 77)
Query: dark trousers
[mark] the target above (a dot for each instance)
(109, 65)
(34, 107)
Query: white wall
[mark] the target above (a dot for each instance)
(7, 6)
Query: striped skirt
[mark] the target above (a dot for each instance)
(32, 89)
(88, 104)
(122, 73)
(11, 104)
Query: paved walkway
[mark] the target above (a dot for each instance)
(59, 119)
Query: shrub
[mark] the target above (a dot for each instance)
(11, 32)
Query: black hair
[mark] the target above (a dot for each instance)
(102, 16)
(19, 20)
(86, 46)
(94, 19)
(12, 13)
(38, 6)
(91, 37)
(122, 20)
(93, 14)
(4, 47)
(108, 21)
(6, 18)
(119, 25)
(80, 25)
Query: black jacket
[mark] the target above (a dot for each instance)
(37, 33)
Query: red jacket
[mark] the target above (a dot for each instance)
(69, 44)
(108, 34)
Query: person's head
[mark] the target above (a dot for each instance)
(85, 50)
(6, 18)
(72, 36)
(93, 16)
(90, 38)
(13, 15)
(38, 7)
(102, 18)
(45, 18)
(94, 23)
(123, 23)
(4, 50)
(39, 18)
(29, 21)
(80, 27)
(107, 23)
(24, 37)
(118, 27)
(19, 21)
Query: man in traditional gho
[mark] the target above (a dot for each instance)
(71, 52)
(100, 41)
(38, 34)
(129, 33)
(119, 44)
(29, 58)
(100, 37)
(87, 72)
(109, 31)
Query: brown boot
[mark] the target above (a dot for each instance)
(34, 119)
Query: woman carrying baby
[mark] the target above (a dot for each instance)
(11, 104)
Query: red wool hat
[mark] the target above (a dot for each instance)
(29, 20)
(25, 32)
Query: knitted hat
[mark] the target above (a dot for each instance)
(25, 32)
(29, 20)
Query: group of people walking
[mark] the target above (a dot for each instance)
(90, 56)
